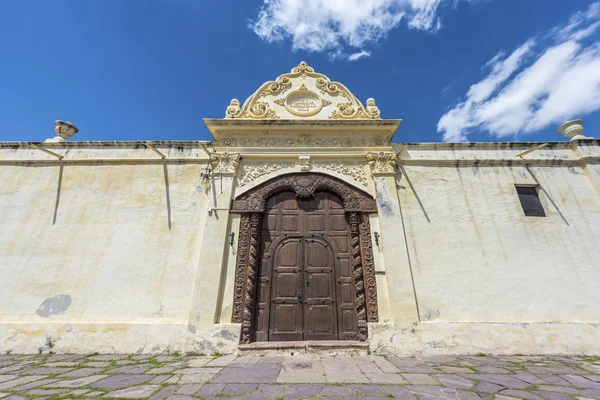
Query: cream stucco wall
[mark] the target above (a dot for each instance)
(112, 249)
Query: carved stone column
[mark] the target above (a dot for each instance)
(357, 273)
(369, 279)
(245, 276)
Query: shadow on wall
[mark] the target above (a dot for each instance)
(546, 193)
(412, 188)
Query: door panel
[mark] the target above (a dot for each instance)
(286, 312)
(305, 289)
(319, 312)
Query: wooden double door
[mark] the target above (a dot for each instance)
(305, 284)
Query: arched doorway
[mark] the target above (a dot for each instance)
(304, 262)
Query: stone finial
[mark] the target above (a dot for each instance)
(233, 109)
(572, 130)
(64, 130)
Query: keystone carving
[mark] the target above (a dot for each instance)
(224, 163)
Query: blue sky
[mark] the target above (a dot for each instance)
(454, 70)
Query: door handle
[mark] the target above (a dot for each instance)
(299, 297)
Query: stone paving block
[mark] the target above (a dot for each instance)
(81, 372)
(368, 389)
(99, 364)
(248, 373)
(342, 369)
(222, 361)
(79, 392)
(529, 378)
(421, 369)
(164, 392)
(45, 371)
(243, 360)
(124, 362)
(63, 364)
(15, 397)
(503, 380)
(121, 381)
(385, 366)
(555, 380)
(198, 362)
(554, 396)
(96, 393)
(4, 378)
(488, 387)
(46, 392)
(493, 370)
(131, 369)
(34, 384)
(135, 392)
(20, 381)
(189, 388)
(581, 382)
(164, 358)
(386, 378)
(404, 362)
(436, 392)
(172, 380)
(595, 378)
(4, 395)
(595, 393)
(78, 382)
(454, 381)
(160, 378)
(271, 360)
(201, 377)
(139, 357)
(450, 369)
(211, 390)
(295, 392)
(558, 389)
(107, 357)
(329, 390)
(302, 372)
(161, 370)
(180, 397)
(239, 388)
(420, 379)
(521, 394)
(272, 390)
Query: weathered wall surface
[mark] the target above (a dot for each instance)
(99, 255)
(486, 277)
(117, 252)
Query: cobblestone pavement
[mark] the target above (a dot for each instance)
(175, 377)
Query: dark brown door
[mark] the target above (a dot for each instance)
(305, 288)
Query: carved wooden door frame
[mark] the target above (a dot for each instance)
(357, 205)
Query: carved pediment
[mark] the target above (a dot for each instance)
(302, 94)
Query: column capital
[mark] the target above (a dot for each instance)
(225, 163)
(382, 163)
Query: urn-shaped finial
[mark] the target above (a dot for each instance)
(572, 130)
(64, 130)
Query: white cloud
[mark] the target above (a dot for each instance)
(338, 26)
(542, 83)
(359, 55)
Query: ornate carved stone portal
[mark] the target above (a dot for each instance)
(330, 256)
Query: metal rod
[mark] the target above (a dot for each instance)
(520, 155)
(204, 148)
(148, 145)
(47, 151)
(402, 150)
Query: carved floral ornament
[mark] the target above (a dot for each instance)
(382, 162)
(224, 163)
(304, 185)
(302, 101)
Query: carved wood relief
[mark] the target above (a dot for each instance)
(357, 205)
(304, 185)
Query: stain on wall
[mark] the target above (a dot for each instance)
(54, 305)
